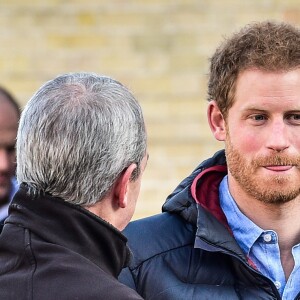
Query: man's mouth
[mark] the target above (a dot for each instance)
(278, 168)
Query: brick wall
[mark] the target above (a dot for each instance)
(159, 49)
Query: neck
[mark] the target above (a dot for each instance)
(105, 211)
(282, 218)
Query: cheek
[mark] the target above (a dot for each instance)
(246, 142)
(135, 191)
(296, 140)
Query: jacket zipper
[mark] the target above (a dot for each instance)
(233, 254)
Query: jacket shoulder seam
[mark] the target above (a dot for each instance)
(158, 254)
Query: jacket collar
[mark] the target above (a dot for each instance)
(182, 200)
(72, 227)
(196, 199)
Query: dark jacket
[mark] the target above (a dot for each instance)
(50, 249)
(2, 224)
(188, 251)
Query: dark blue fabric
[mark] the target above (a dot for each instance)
(186, 253)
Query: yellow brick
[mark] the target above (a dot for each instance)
(158, 48)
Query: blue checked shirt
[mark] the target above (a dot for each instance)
(4, 209)
(261, 246)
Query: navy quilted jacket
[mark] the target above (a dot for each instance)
(188, 251)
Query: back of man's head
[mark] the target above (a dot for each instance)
(76, 136)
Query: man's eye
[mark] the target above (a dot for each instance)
(294, 118)
(258, 117)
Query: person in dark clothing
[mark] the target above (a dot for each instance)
(9, 118)
(81, 153)
(231, 230)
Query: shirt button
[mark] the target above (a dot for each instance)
(277, 284)
(267, 237)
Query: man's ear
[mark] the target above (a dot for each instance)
(216, 121)
(121, 188)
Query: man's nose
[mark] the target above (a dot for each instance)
(278, 139)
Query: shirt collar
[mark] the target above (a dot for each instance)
(244, 230)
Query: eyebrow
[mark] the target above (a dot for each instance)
(256, 109)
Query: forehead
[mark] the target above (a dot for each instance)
(8, 115)
(264, 87)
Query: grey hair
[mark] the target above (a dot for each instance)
(77, 134)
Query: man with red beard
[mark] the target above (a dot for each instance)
(231, 230)
(9, 118)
